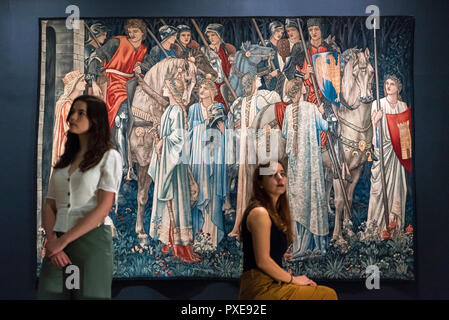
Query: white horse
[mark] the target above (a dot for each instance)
(148, 105)
(354, 128)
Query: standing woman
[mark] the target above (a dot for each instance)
(81, 192)
(207, 121)
(171, 216)
(266, 232)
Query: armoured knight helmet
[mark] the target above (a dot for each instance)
(314, 22)
(97, 29)
(217, 28)
(183, 28)
(291, 23)
(275, 25)
(166, 32)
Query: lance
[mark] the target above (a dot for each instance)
(330, 141)
(226, 80)
(258, 31)
(381, 138)
(262, 41)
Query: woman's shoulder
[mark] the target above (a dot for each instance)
(58, 171)
(175, 109)
(257, 212)
(111, 154)
(258, 217)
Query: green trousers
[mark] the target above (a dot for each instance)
(92, 254)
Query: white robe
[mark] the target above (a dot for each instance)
(394, 176)
(305, 187)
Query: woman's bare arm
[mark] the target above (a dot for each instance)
(49, 217)
(259, 224)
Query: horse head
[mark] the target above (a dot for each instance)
(363, 73)
(203, 65)
(357, 79)
(255, 53)
(186, 71)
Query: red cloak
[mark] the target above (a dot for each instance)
(123, 61)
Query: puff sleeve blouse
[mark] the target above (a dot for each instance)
(76, 194)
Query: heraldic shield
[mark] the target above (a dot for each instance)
(327, 70)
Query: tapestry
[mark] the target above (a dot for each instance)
(194, 104)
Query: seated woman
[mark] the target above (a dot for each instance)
(266, 234)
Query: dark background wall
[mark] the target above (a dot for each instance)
(19, 68)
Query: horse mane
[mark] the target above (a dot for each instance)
(346, 56)
(155, 77)
(246, 45)
(347, 95)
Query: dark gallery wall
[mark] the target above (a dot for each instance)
(19, 69)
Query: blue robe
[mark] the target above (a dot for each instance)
(171, 181)
(207, 162)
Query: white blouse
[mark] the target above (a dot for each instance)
(77, 194)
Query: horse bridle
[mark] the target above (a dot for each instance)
(248, 54)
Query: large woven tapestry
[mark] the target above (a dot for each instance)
(187, 167)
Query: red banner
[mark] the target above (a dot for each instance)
(400, 128)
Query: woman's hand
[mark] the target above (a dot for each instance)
(61, 259)
(308, 72)
(274, 73)
(376, 116)
(54, 246)
(303, 281)
(221, 127)
(321, 108)
(96, 90)
(288, 256)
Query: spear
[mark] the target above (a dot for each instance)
(226, 80)
(262, 41)
(330, 141)
(381, 134)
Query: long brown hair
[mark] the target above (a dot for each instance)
(259, 197)
(100, 139)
